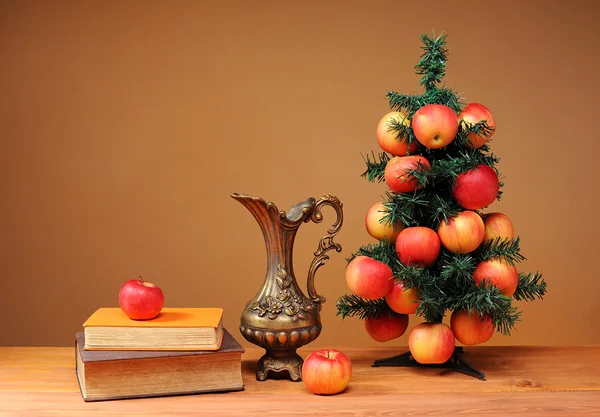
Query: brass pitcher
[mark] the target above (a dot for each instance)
(280, 318)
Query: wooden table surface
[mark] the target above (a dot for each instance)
(532, 381)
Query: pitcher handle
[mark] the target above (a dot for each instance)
(326, 243)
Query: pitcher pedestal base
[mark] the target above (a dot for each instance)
(280, 361)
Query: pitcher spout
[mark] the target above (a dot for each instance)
(264, 211)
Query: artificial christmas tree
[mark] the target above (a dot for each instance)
(444, 253)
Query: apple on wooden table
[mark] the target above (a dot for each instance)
(326, 371)
(141, 300)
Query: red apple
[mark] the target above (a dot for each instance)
(435, 125)
(378, 229)
(397, 172)
(369, 278)
(497, 225)
(474, 113)
(499, 273)
(431, 343)
(471, 328)
(464, 232)
(390, 140)
(141, 300)
(418, 246)
(402, 300)
(476, 188)
(326, 371)
(386, 327)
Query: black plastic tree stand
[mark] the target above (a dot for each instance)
(456, 363)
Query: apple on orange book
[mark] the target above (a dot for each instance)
(326, 371)
(141, 300)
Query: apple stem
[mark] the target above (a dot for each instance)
(141, 279)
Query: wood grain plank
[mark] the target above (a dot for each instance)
(501, 404)
(507, 369)
(521, 381)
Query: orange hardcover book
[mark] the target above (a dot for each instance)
(172, 329)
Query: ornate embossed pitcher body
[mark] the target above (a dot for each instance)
(281, 318)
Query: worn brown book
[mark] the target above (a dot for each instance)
(172, 329)
(113, 374)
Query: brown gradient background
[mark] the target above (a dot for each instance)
(125, 125)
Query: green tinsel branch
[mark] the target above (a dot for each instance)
(506, 249)
(410, 209)
(431, 295)
(375, 167)
(480, 129)
(381, 251)
(410, 276)
(420, 208)
(444, 96)
(355, 306)
(432, 309)
(482, 300)
(403, 132)
(432, 65)
(449, 165)
(488, 300)
(456, 269)
(420, 174)
(442, 210)
(530, 287)
(411, 103)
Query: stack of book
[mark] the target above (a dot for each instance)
(182, 351)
